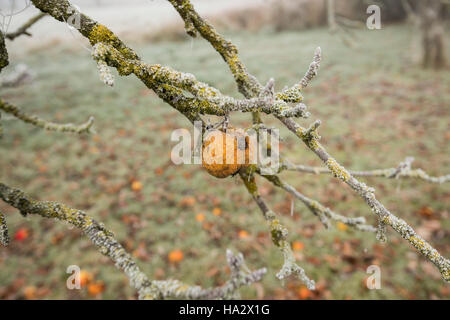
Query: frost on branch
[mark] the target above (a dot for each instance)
(44, 124)
(403, 170)
(99, 55)
(278, 233)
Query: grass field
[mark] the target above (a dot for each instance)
(375, 107)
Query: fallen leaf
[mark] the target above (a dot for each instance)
(243, 234)
(303, 293)
(141, 252)
(29, 292)
(298, 246)
(85, 277)
(187, 202)
(200, 217)
(426, 212)
(176, 256)
(21, 234)
(57, 237)
(217, 211)
(136, 186)
(207, 226)
(96, 288)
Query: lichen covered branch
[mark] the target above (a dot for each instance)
(322, 212)
(368, 195)
(23, 30)
(278, 232)
(248, 85)
(240, 276)
(104, 240)
(203, 100)
(44, 124)
(294, 94)
(4, 237)
(96, 232)
(403, 170)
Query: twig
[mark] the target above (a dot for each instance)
(23, 30)
(278, 232)
(294, 94)
(319, 210)
(205, 100)
(44, 124)
(19, 76)
(240, 276)
(402, 171)
(367, 193)
(248, 85)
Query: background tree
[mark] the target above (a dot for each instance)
(427, 17)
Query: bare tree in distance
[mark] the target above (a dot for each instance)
(427, 18)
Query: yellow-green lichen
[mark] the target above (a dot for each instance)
(292, 95)
(101, 34)
(249, 180)
(338, 170)
(418, 243)
(278, 232)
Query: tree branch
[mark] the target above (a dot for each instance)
(20, 75)
(278, 232)
(206, 100)
(248, 85)
(23, 30)
(240, 276)
(403, 170)
(294, 94)
(44, 124)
